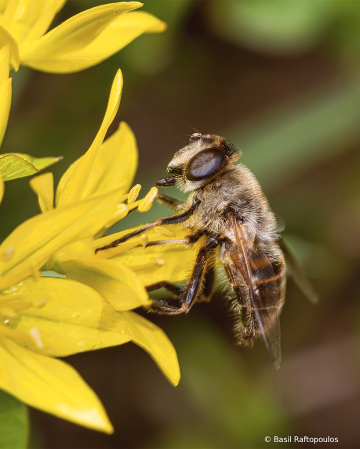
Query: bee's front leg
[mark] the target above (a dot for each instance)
(173, 219)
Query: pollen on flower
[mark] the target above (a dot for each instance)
(160, 262)
(36, 335)
(134, 193)
(7, 254)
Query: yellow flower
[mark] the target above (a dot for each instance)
(45, 317)
(76, 44)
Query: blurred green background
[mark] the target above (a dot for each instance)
(280, 79)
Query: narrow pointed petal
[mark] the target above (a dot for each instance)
(7, 39)
(49, 53)
(5, 89)
(43, 186)
(77, 182)
(50, 385)
(151, 338)
(116, 283)
(31, 244)
(17, 165)
(113, 38)
(115, 162)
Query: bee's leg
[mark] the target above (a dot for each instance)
(170, 202)
(193, 288)
(173, 219)
(209, 283)
(173, 289)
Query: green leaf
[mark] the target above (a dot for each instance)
(14, 426)
(17, 165)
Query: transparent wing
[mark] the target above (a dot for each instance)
(265, 289)
(297, 274)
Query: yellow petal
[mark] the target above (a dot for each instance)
(17, 165)
(5, 89)
(7, 39)
(50, 385)
(74, 311)
(155, 342)
(41, 20)
(72, 318)
(57, 50)
(77, 182)
(33, 242)
(113, 38)
(115, 282)
(178, 260)
(43, 186)
(1, 188)
(64, 179)
(115, 163)
(22, 16)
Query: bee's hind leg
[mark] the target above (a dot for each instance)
(209, 284)
(173, 289)
(190, 293)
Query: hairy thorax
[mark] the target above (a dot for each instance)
(235, 191)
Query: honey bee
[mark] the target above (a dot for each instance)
(226, 209)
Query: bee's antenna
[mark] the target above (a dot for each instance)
(182, 135)
(196, 130)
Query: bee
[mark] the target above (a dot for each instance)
(229, 215)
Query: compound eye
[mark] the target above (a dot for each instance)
(194, 137)
(204, 165)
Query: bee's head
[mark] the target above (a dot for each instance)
(204, 158)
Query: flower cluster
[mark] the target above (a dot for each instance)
(88, 304)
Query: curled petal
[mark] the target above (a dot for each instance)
(43, 186)
(60, 50)
(50, 385)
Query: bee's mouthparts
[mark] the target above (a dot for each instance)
(166, 182)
